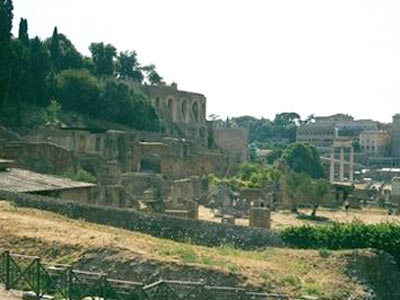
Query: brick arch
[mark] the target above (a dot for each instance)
(184, 109)
(157, 102)
(171, 106)
(196, 111)
(150, 163)
(203, 109)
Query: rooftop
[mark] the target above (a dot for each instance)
(24, 181)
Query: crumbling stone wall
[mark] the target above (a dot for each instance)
(81, 194)
(181, 197)
(183, 230)
(117, 157)
(41, 157)
(234, 141)
(182, 113)
(76, 140)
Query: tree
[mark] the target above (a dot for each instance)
(151, 74)
(103, 56)
(280, 131)
(309, 120)
(23, 32)
(214, 117)
(119, 102)
(78, 90)
(253, 152)
(295, 183)
(63, 53)
(302, 188)
(316, 191)
(129, 67)
(287, 119)
(40, 65)
(53, 112)
(70, 58)
(6, 18)
(274, 156)
(303, 158)
(55, 50)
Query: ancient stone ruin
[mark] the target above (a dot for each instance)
(158, 172)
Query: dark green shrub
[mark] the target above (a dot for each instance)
(383, 236)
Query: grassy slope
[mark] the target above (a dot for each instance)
(141, 257)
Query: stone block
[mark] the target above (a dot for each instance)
(260, 217)
(228, 220)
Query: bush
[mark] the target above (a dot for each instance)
(81, 175)
(384, 236)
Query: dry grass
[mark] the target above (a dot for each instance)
(296, 272)
(281, 219)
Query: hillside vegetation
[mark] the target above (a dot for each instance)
(136, 256)
(52, 74)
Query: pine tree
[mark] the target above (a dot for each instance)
(23, 32)
(55, 50)
(6, 17)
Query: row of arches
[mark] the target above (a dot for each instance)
(183, 110)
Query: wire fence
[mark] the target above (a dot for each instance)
(29, 273)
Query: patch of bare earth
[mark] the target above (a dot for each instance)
(9, 295)
(139, 257)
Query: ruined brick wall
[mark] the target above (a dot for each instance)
(183, 230)
(78, 141)
(41, 157)
(182, 113)
(234, 141)
(82, 195)
(205, 163)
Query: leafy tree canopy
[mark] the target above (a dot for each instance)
(303, 158)
(33, 72)
(128, 66)
(103, 58)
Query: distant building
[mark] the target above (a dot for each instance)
(363, 125)
(333, 120)
(395, 149)
(321, 136)
(375, 142)
(353, 128)
(325, 130)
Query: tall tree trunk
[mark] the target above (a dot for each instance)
(314, 211)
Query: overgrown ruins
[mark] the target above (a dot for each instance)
(161, 171)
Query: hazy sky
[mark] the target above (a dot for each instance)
(248, 57)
